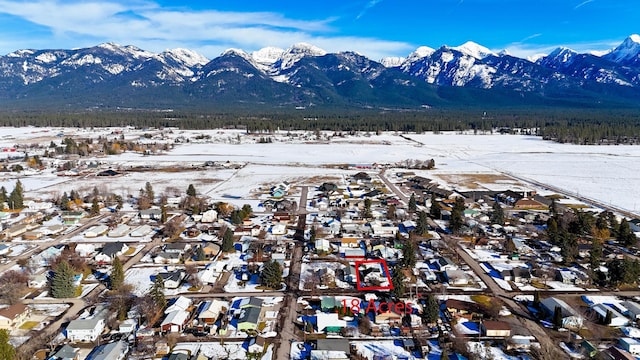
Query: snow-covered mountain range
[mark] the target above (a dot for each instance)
(114, 75)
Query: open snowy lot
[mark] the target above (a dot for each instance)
(604, 173)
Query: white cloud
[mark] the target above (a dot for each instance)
(583, 4)
(367, 6)
(152, 27)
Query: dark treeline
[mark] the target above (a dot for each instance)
(572, 126)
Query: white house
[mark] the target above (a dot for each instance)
(570, 318)
(175, 321)
(631, 345)
(617, 319)
(85, 329)
(96, 231)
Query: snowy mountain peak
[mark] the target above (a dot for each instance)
(628, 50)
(419, 53)
(187, 57)
(236, 52)
(390, 62)
(474, 50)
(306, 49)
(268, 55)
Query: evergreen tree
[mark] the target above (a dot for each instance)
(163, 209)
(625, 235)
(367, 208)
(16, 198)
(431, 309)
(409, 254)
(227, 241)
(595, 255)
(7, 351)
(271, 275)
(422, 226)
(457, 219)
(444, 355)
(397, 280)
(148, 189)
(157, 292)
(435, 211)
(536, 298)
(608, 317)
(497, 214)
(557, 317)
(312, 235)
(191, 190)
(3, 197)
(412, 203)
(552, 230)
(117, 274)
(200, 255)
(95, 207)
(62, 283)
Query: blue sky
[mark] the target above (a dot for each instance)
(375, 28)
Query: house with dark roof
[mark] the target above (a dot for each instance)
(172, 279)
(112, 351)
(66, 352)
(495, 329)
(249, 318)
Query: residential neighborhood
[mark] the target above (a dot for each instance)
(366, 261)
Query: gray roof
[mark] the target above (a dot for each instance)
(333, 345)
(111, 249)
(110, 351)
(551, 303)
(66, 352)
(84, 324)
(250, 315)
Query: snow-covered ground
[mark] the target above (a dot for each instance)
(570, 167)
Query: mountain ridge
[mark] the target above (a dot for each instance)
(304, 75)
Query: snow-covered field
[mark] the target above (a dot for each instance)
(605, 173)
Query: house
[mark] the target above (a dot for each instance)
(210, 310)
(128, 326)
(120, 231)
(85, 330)
(495, 329)
(249, 318)
(141, 231)
(167, 258)
(457, 277)
(176, 248)
(443, 264)
(112, 250)
(172, 279)
(180, 303)
(615, 353)
(570, 318)
(521, 275)
(388, 317)
(257, 345)
(211, 250)
(465, 309)
(251, 302)
(352, 253)
(529, 204)
(519, 343)
(330, 323)
(150, 214)
(331, 349)
(66, 352)
(15, 230)
(323, 245)
(631, 345)
(633, 309)
(96, 231)
(112, 351)
(4, 249)
(72, 217)
(617, 319)
(209, 216)
(175, 321)
(568, 276)
(13, 316)
(350, 242)
(278, 229)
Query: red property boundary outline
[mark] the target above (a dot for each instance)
(373, 288)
